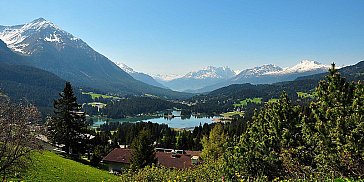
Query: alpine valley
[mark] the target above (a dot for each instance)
(181, 91)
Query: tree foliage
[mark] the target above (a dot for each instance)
(213, 145)
(334, 128)
(68, 125)
(143, 153)
(287, 140)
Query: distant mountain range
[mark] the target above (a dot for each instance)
(267, 74)
(48, 47)
(211, 78)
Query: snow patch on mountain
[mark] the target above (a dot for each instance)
(125, 67)
(53, 38)
(237, 71)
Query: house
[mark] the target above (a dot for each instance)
(119, 159)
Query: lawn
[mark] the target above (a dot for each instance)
(95, 95)
(245, 102)
(48, 166)
(230, 114)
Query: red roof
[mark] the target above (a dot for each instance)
(179, 161)
(118, 155)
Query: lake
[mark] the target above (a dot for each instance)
(173, 122)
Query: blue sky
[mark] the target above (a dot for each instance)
(180, 36)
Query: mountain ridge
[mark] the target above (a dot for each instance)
(140, 76)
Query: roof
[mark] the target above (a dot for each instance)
(169, 160)
(119, 155)
(179, 161)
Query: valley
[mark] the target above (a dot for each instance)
(159, 94)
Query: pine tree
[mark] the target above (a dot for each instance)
(270, 141)
(213, 145)
(143, 153)
(335, 127)
(68, 125)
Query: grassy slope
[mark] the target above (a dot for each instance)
(95, 95)
(244, 103)
(49, 166)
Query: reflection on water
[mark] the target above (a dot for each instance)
(181, 122)
(174, 121)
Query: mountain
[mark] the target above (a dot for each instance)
(140, 76)
(256, 72)
(23, 82)
(52, 49)
(9, 57)
(304, 67)
(201, 78)
(267, 74)
(271, 73)
(352, 73)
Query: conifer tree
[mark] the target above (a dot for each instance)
(269, 142)
(68, 124)
(335, 127)
(213, 145)
(143, 153)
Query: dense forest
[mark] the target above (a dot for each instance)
(33, 85)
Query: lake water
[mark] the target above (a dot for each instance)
(178, 122)
(175, 122)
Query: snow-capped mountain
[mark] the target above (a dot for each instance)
(211, 72)
(140, 76)
(303, 66)
(21, 38)
(258, 71)
(271, 73)
(200, 78)
(50, 48)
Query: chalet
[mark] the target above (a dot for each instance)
(119, 159)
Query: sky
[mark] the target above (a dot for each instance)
(175, 37)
